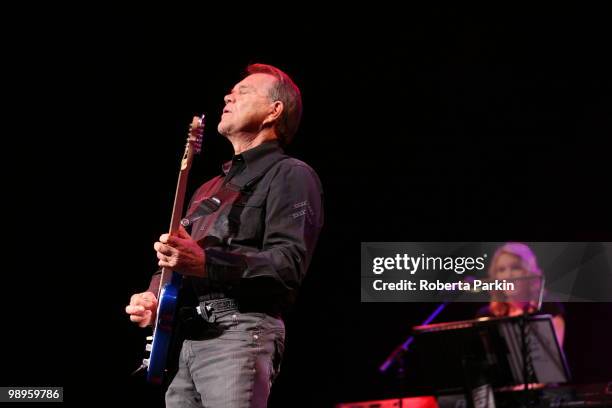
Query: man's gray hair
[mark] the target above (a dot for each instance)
(286, 91)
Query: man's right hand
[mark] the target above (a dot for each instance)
(142, 308)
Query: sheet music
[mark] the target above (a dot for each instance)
(548, 362)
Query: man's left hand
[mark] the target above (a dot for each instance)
(181, 253)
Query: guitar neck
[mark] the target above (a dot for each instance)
(179, 198)
(179, 201)
(175, 221)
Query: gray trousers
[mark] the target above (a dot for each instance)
(234, 368)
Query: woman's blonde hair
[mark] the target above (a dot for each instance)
(523, 252)
(529, 262)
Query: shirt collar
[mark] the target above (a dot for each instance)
(254, 158)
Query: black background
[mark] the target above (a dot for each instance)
(436, 124)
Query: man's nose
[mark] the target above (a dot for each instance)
(227, 99)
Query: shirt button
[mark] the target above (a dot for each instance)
(255, 337)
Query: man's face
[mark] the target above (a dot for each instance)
(247, 105)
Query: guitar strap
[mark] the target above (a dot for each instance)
(228, 194)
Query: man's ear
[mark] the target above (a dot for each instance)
(276, 109)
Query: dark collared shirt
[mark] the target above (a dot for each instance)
(260, 241)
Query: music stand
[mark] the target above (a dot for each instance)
(465, 355)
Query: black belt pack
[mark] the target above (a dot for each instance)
(209, 309)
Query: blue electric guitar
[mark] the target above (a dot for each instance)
(158, 345)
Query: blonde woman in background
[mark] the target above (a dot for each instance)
(517, 263)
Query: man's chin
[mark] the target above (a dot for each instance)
(223, 130)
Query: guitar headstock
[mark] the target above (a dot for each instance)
(194, 141)
(196, 133)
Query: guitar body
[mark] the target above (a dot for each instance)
(162, 335)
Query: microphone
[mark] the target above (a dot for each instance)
(206, 207)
